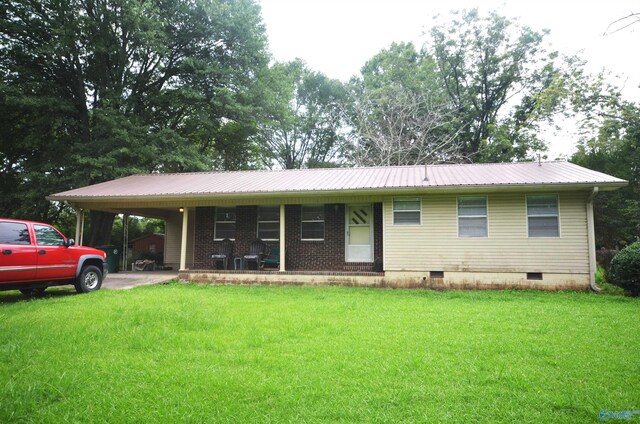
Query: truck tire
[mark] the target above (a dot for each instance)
(90, 279)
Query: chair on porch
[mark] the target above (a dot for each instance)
(225, 252)
(273, 260)
(256, 253)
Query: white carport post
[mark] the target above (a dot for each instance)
(79, 225)
(183, 245)
(282, 240)
(125, 241)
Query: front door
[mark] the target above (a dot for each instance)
(359, 237)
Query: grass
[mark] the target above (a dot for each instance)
(607, 287)
(189, 353)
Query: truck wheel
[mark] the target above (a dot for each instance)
(34, 291)
(90, 279)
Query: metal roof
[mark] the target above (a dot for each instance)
(198, 184)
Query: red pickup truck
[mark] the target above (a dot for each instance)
(34, 256)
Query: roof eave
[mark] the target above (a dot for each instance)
(603, 186)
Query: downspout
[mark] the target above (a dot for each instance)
(591, 237)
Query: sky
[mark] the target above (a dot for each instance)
(337, 37)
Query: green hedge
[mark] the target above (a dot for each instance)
(625, 269)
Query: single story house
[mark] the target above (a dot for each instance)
(462, 226)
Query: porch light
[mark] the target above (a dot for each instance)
(181, 209)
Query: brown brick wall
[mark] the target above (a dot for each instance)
(325, 255)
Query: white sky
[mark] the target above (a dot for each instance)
(337, 37)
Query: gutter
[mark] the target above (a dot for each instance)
(591, 237)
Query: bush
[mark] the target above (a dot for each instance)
(625, 269)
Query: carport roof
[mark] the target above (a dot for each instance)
(525, 174)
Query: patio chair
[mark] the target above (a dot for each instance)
(256, 253)
(225, 252)
(273, 260)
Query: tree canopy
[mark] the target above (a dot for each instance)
(303, 126)
(500, 80)
(99, 89)
(611, 145)
(399, 113)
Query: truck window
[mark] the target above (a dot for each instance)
(48, 236)
(14, 233)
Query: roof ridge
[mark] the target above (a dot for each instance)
(223, 171)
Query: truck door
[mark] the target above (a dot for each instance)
(55, 261)
(17, 253)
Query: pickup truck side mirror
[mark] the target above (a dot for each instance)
(70, 242)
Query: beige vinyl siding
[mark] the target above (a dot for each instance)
(173, 238)
(435, 245)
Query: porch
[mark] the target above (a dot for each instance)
(334, 238)
(318, 235)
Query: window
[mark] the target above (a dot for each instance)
(225, 226)
(14, 233)
(48, 236)
(269, 222)
(472, 216)
(542, 215)
(312, 222)
(406, 211)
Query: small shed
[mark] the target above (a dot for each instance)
(148, 243)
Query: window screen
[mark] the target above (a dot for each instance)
(542, 215)
(406, 211)
(312, 222)
(269, 222)
(225, 226)
(472, 216)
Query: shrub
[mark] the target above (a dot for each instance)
(625, 269)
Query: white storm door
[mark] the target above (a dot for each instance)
(359, 237)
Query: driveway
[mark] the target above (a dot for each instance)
(128, 280)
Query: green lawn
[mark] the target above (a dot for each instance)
(189, 353)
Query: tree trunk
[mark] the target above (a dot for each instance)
(100, 230)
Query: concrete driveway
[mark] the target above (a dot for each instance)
(128, 280)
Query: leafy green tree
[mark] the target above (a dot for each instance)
(99, 89)
(501, 82)
(399, 113)
(303, 126)
(614, 148)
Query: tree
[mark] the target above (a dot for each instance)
(398, 112)
(613, 148)
(501, 82)
(99, 89)
(303, 126)
(622, 23)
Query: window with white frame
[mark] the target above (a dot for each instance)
(269, 222)
(542, 215)
(312, 225)
(472, 216)
(225, 226)
(406, 211)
